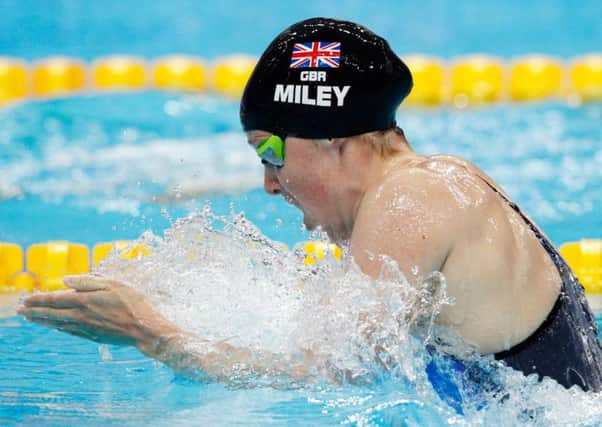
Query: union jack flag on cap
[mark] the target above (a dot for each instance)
(316, 55)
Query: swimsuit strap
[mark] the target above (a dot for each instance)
(547, 245)
(566, 346)
(566, 273)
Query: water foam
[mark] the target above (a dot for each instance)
(222, 279)
(159, 170)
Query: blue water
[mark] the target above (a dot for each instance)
(50, 378)
(100, 168)
(65, 158)
(36, 28)
(61, 380)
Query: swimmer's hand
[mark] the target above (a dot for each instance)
(108, 311)
(99, 309)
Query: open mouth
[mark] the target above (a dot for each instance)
(308, 222)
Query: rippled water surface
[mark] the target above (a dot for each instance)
(79, 171)
(175, 171)
(123, 158)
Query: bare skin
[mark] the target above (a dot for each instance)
(110, 312)
(431, 214)
(427, 213)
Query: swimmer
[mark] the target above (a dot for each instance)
(319, 110)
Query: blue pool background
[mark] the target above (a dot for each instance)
(548, 156)
(36, 28)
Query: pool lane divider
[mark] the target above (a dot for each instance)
(460, 82)
(63, 76)
(45, 264)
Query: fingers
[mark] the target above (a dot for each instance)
(70, 299)
(66, 320)
(71, 328)
(88, 282)
(35, 313)
(73, 322)
(63, 324)
(59, 300)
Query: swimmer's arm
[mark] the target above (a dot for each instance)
(108, 311)
(411, 218)
(199, 359)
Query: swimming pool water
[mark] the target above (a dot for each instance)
(66, 161)
(99, 168)
(67, 158)
(37, 28)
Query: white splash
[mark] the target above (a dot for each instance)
(222, 279)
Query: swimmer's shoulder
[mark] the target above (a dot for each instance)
(439, 178)
(408, 216)
(444, 193)
(416, 180)
(459, 165)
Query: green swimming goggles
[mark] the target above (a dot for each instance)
(271, 151)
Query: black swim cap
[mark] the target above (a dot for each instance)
(324, 78)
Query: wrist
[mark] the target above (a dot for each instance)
(158, 346)
(153, 340)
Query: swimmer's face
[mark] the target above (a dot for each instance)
(305, 180)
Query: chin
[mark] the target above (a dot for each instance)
(337, 238)
(311, 225)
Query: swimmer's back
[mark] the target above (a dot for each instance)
(513, 272)
(503, 283)
(512, 287)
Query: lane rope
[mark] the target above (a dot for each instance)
(43, 265)
(459, 82)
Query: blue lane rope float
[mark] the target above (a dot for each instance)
(460, 82)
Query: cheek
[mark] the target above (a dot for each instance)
(314, 192)
(305, 179)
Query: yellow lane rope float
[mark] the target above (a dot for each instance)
(429, 84)
(125, 248)
(50, 262)
(12, 278)
(476, 79)
(586, 77)
(460, 82)
(179, 72)
(119, 72)
(13, 80)
(316, 251)
(585, 259)
(58, 76)
(230, 74)
(535, 77)
(47, 263)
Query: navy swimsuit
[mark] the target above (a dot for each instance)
(566, 347)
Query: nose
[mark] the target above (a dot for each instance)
(270, 181)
